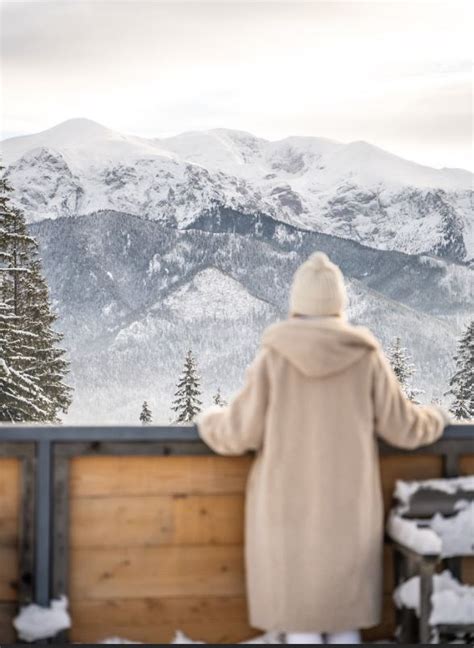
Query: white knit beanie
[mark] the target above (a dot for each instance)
(318, 288)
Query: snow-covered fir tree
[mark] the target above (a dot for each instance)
(403, 368)
(217, 398)
(145, 414)
(32, 366)
(21, 397)
(187, 403)
(462, 382)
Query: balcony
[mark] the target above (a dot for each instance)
(142, 528)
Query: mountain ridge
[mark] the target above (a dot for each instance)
(120, 282)
(356, 190)
(79, 126)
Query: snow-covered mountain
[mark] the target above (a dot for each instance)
(154, 246)
(133, 295)
(356, 191)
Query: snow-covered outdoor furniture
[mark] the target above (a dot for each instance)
(432, 523)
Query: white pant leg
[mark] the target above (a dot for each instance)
(304, 638)
(349, 637)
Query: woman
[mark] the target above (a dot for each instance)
(316, 398)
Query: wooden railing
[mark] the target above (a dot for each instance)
(142, 527)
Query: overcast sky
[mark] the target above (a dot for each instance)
(397, 74)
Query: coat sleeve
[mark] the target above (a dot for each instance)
(397, 420)
(239, 426)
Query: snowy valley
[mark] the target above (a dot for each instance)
(151, 247)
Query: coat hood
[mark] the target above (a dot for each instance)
(319, 347)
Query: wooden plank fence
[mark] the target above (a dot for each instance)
(146, 528)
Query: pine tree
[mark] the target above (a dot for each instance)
(403, 368)
(186, 403)
(462, 382)
(145, 414)
(217, 398)
(21, 398)
(32, 366)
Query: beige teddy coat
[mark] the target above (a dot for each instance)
(316, 397)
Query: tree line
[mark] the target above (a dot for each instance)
(461, 383)
(187, 404)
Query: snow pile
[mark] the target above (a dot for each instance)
(452, 602)
(404, 490)
(35, 622)
(407, 532)
(456, 533)
(455, 607)
(451, 535)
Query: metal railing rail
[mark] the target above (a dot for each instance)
(183, 432)
(46, 450)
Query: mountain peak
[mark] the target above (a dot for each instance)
(79, 126)
(83, 141)
(68, 135)
(72, 129)
(235, 133)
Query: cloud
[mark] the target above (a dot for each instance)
(391, 72)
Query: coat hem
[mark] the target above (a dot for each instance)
(285, 628)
